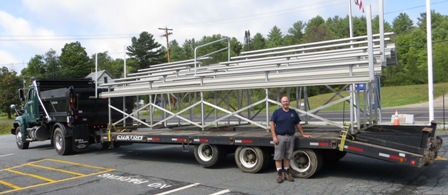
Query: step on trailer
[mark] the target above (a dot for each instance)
(218, 107)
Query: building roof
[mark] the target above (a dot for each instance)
(100, 73)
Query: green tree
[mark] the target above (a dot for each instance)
(74, 61)
(188, 47)
(9, 84)
(35, 67)
(316, 30)
(402, 24)
(146, 50)
(258, 42)
(359, 26)
(177, 52)
(275, 38)
(440, 62)
(339, 27)
(52, 65)
(247, 41)
(295, 33)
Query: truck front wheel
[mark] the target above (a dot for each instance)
(62, 144)
(305, 163)
(21, 140)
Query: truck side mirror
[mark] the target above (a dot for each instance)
(21, 96)
(13, 106)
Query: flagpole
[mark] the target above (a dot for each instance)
(429, 53)
(350, 17)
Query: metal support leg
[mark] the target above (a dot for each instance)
(267, 109)
(202, 111)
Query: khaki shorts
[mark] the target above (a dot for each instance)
(284, 148)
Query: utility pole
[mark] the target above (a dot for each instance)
(167, 34)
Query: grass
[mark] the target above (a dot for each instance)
(390, 96)
(5, 125)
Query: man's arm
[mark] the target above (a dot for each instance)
(274, 135)
(299, 127)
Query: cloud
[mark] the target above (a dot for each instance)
(84, 20)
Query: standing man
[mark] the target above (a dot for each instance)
(284, 122)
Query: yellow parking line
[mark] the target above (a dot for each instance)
(440, 158)
(10, 185)
(58, 181)
(73, 163)
(30, 175)
(50, 181)
(55, 169)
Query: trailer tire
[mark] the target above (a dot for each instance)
(332, 156)
(63, 145)
(208, 155)
(21, 140)
(250, 159)
(305, 162)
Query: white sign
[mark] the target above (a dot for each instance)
(130, 137)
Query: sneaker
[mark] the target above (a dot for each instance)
(280, 176)
(288, 175)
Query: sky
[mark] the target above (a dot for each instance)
(33, 27)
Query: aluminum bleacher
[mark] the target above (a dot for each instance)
(338, 61)
(346, 61)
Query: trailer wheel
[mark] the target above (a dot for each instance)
(250, 159)
(208, 155)
(305, 163)
(21, 140)
(332, 156)
(62, 144)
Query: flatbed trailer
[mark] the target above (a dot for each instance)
(244, 86)
(408, 145)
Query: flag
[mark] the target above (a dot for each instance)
(359, 4)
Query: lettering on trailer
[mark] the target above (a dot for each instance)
(134, 180)
(130, 137)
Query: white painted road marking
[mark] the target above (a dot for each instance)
(221, 192)
(5, 155)
(178, 189)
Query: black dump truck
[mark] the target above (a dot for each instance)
(65, 111)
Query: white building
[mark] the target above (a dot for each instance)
(103, 77)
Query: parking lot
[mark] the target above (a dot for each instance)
(166, 169)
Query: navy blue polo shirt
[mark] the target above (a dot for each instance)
(285, 122)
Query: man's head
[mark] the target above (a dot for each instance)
(285, 103)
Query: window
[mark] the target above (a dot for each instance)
(105, 79)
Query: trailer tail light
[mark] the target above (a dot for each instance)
(352, 148)
(153, 138)
(413, 162)
(319, 144)
(178, 139)
(244, 141)
(401, 158)
(201, 140)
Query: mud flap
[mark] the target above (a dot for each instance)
(81, 135)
